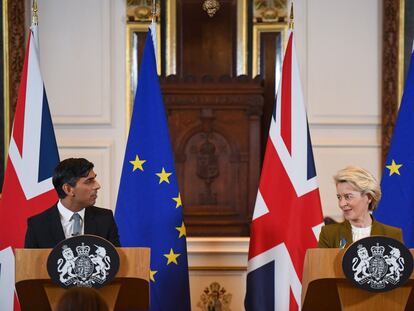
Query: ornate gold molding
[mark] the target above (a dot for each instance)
(132, 63)
(401, 43)
(242, 37)
(14, 48)
(258, 29)
(391, 68)
(6, 92)
(171, 38)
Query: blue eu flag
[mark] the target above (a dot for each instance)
(397, 204)
(149, 212)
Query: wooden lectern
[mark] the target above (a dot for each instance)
(128, 291)
(325, 287)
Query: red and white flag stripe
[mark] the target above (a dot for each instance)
(287, 216)
(27, 187)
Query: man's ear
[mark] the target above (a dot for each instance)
(68, 189)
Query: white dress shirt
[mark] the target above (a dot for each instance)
(359, 233)
(67, 223)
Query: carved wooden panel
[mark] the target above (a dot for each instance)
(215, 132)
(206, 45)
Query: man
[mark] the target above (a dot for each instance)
(74, 214)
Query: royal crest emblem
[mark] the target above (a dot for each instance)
(83, 264)
(215, 298)
(377, 263)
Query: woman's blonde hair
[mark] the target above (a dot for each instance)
(363, 181)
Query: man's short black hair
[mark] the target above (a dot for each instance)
(69, 171)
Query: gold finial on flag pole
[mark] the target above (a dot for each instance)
(154, 11)
(34, 12)
(291, 22)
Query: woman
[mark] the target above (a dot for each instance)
(358, 194)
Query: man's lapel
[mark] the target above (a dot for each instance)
(56, 225)
(90, 224)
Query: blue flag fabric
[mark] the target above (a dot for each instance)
(149, 212)
(397, 204)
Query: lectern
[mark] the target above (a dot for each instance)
(128, 291)
(324, 287)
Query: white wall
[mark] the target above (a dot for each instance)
(82, 49)
(339, 47)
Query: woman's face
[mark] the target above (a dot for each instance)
(353, 204)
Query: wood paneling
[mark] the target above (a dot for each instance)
(268, 48)
(206, 45)
(215, 132)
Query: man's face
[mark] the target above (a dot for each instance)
(85, 192)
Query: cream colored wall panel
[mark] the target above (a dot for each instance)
(344, 61)
(332, 158)
(75, 54)
(217, 252)
(101, 155)
(349, 135)
(301, 40)
(217, 263)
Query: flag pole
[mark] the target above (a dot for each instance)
(291, 21)
(153, 11)
(154, 35)
(34, 13)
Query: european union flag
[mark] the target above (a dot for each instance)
(397, 204)
(149, 212)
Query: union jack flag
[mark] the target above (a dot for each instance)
(33, 155)
(287, 217)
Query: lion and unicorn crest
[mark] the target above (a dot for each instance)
(377, 270)
(84, 270)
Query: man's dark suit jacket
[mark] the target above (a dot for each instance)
(45, 230)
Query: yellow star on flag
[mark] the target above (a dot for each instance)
(152, 273)
(181, 230)
(172, 257)
(178, 200)
(137, 163)
(163, 176)
(394, 168)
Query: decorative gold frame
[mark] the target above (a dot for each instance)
(131, 73)
(257, 30)
(242, 43)
(6, 83)
(171, 38)
(401, 57)
(393, 66)
(171, 46)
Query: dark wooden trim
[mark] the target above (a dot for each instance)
(17, 34)
(13, 44)
(3, 94)
(390, 53)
